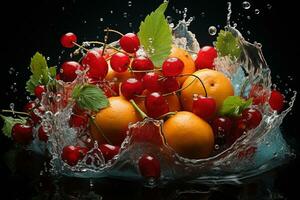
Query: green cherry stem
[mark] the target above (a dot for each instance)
(105, 40)
(15, 112)
(80, 46)
(99, 129)
(137, 108)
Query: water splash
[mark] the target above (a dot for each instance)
(229, 13)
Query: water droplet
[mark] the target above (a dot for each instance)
(129, 3)
(256, 11)
(11, 70)
(246, 5)
(217, 147)
(111, 11)
(125, 14)
(171, 25)
(48, 58)
(212, 30)
(151, 181)
(248, 32)
(62, 8)
(101, 19)
(269, 6)
(234, 25)
(248, 17)
(202, 14)
(12, 106)
(130, 24)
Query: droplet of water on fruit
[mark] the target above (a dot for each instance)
(269, 6)
(125, 14)
(212, 30)
(256, 11)
(246, 5)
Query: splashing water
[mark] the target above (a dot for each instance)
(246, 5)
(212, 30)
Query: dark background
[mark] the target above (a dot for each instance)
(31, 26)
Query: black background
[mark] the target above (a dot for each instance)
(31, 26)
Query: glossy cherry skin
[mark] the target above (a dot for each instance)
(78, 121)
(22, 133)
(67, 40)
(130, 42)
(151, 82)
(42, 134)
(39, 90)
(68, 71)
(119, 62)
(98, 66)
(222, 127)
(169, 84)
(172, 67)
(71, 155)
(149, 166)
(131, 87)
(156, 105)
(29, 106)
(36, 118)
(276, 100)
(206, 57)
(204, 107)
(141, 63)
(109, 151)
(252, 116)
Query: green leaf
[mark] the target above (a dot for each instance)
(227, 44)
(52, 71)
(90, 97)
(234, 106)
(155, 35)
(9, 122)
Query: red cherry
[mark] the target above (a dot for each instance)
(276, 100)
(149, 166)
(105, 55)
(151, 82)
(221, 127)
(172, 67)
(258, 95)
(42, 135)
(239, 128)
(98, 66)
(82, 151)
(119, 62)
(169, 84)
(205, 57)
(141, 63)
(39, 90)
(68, 40)
(78, 121)
(68, 71)
(156, 105)
(109, 151)
(29, 106)
(204, 107)
(252, 116)
(131, 87)
(21, 133)
(130, 42)
(71, 155)
(36, 118)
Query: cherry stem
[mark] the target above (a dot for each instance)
(99, 129)
(205, 91)
(114, 31)
(108, 46)
(142, 71)
(15, 112)
(105, 40)
(80, 46)
(137, 108)
(166, 115)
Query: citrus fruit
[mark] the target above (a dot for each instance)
(113, 121)
(186, 58)
(217, 85)
(116, 76)
(189, 135)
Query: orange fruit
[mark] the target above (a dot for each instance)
(217, 85)
(189, 135)
(173, 102)
(114, 120)
(186, 58)
(116, 76)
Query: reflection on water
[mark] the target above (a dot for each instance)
(27, 177)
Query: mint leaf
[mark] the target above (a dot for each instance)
(234, 106)
(227, 44)
(41, 74)
(89, 97)
(155, 35)
(9, 122)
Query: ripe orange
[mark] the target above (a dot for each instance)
(217, 85)
(118, 77)
(114, 120)
(186, 58)
(189, 135)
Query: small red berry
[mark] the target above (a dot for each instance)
(204, 107)
(252, 116)
(71, 155)
(258, 95)
(149, 166)
(276, 100)
(119, 62)
(42, 134)
(130, 42)
(68, 40)
(222, 128)
(78, 121)
(68, 71)
(39, 90)
(29, 106)
(156, 105)
(151, 82)
(141, 63)
(172, 67)
(131, 87)
(206, 57)
(109, 151)
(169, 84)
(97, 65)
(21, 133)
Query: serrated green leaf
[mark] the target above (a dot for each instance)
(90, 97)
(9, 122)
(234, 106)
(155, 35)
(227, 44)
